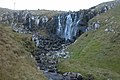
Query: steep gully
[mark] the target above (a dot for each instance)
(61, 30)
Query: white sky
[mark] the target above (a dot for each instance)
(50, 4)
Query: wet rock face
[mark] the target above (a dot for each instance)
(25, 20)
(72, 24)
(68, 25)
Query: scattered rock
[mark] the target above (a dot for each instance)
(93, 26)
(109, 30)
(73, 76)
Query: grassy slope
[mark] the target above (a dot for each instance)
(15, 60)
(97, 53)
(48, 13)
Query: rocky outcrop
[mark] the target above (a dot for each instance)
(71, 24)
(93, 26)
(67, 25)
(101, 8)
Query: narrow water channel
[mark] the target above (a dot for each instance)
(50, 50)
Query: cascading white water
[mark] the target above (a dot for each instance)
(29, 22)
(37, 20)
(59, 26)
(68, 28)
(44, 19)
(75, 26)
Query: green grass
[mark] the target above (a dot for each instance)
(97, 53)
(15, 60)
(48, 13)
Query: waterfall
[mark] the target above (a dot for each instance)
(68, 28)
(29, 23)
(37, 21)
(59, 25)
(75, 26)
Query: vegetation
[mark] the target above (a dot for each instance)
(48, 13)
(4, 10)
(15, 60)
(96, 54)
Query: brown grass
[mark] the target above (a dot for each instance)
(15, 60)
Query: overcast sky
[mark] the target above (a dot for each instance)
(50, 4)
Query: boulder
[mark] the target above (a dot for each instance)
(73, 76)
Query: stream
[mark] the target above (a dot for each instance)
(50, 50)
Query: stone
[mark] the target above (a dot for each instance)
(109, 30)
(73, 76)
(106, 30)
(93, 26)
(44, 19)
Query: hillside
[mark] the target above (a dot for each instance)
(15, 60)
(96, 54)
(48, 13)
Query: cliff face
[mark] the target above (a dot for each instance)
(67, 25)
(71, 25)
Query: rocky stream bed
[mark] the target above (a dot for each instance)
(48, 54)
